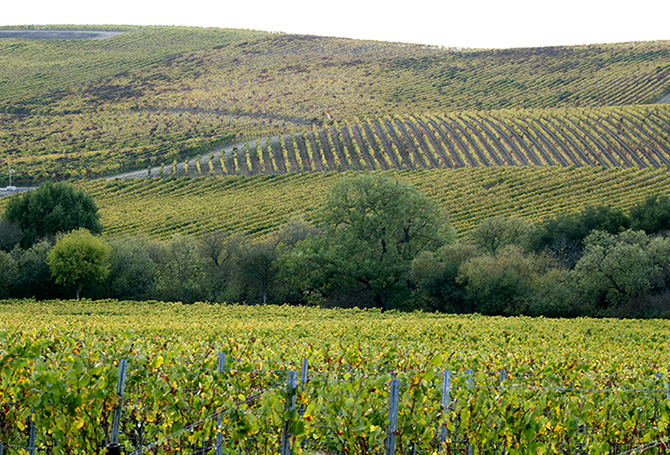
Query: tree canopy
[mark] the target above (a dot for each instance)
(374, 226)
(616, 268)
(79, 257)
(53, 208)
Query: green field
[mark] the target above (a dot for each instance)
(590, 385)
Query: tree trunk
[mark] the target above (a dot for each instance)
(379, 302)
(78, 290)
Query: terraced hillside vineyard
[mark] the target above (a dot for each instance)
(156, 95)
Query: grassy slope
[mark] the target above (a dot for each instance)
(37, 73)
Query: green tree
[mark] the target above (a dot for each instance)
(257, 275)
(554, 294)
(8, 273)
(616, 268)
(218, 251)
(436, 276)
(50, 209)
(563, 236)
(79, 257)
(181, 275)
(256, 269)
(502, 283)
(374, 226)
(131, 270)
(34, 278)
(497, 232)
(10, 235)
(652, 215)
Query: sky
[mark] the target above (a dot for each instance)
(449, 23)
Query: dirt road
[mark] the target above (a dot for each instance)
(19, 189)
(228, 151)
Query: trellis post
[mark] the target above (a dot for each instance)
(303, 381)
(114, 447)
(471, 385)
(31, 437)
(219, 419)
(394, 398)
(446, 389)
(291, 385)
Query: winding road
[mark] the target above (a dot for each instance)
(19, 189)
(227, 152)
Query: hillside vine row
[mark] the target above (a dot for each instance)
(633, 136)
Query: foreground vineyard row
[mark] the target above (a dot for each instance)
(583, 386)
(161, 207)
(238, 409)
(613, 137)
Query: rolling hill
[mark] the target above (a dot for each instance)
(214, 102)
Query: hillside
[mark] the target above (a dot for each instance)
(156, 95)
(257, 205)
(630, 136)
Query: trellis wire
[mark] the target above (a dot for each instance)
(504, 383)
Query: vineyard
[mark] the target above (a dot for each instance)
(161, 207)
(154, 96)
(210, 377)
(606, 137)
(240, 131)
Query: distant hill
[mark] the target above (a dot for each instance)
(74, 108)
(58, 34)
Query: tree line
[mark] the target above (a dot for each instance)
(379, 243)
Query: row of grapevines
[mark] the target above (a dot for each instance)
(584, 385)
(259, 205)
(609, 137)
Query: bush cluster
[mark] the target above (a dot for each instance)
(596, 262)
